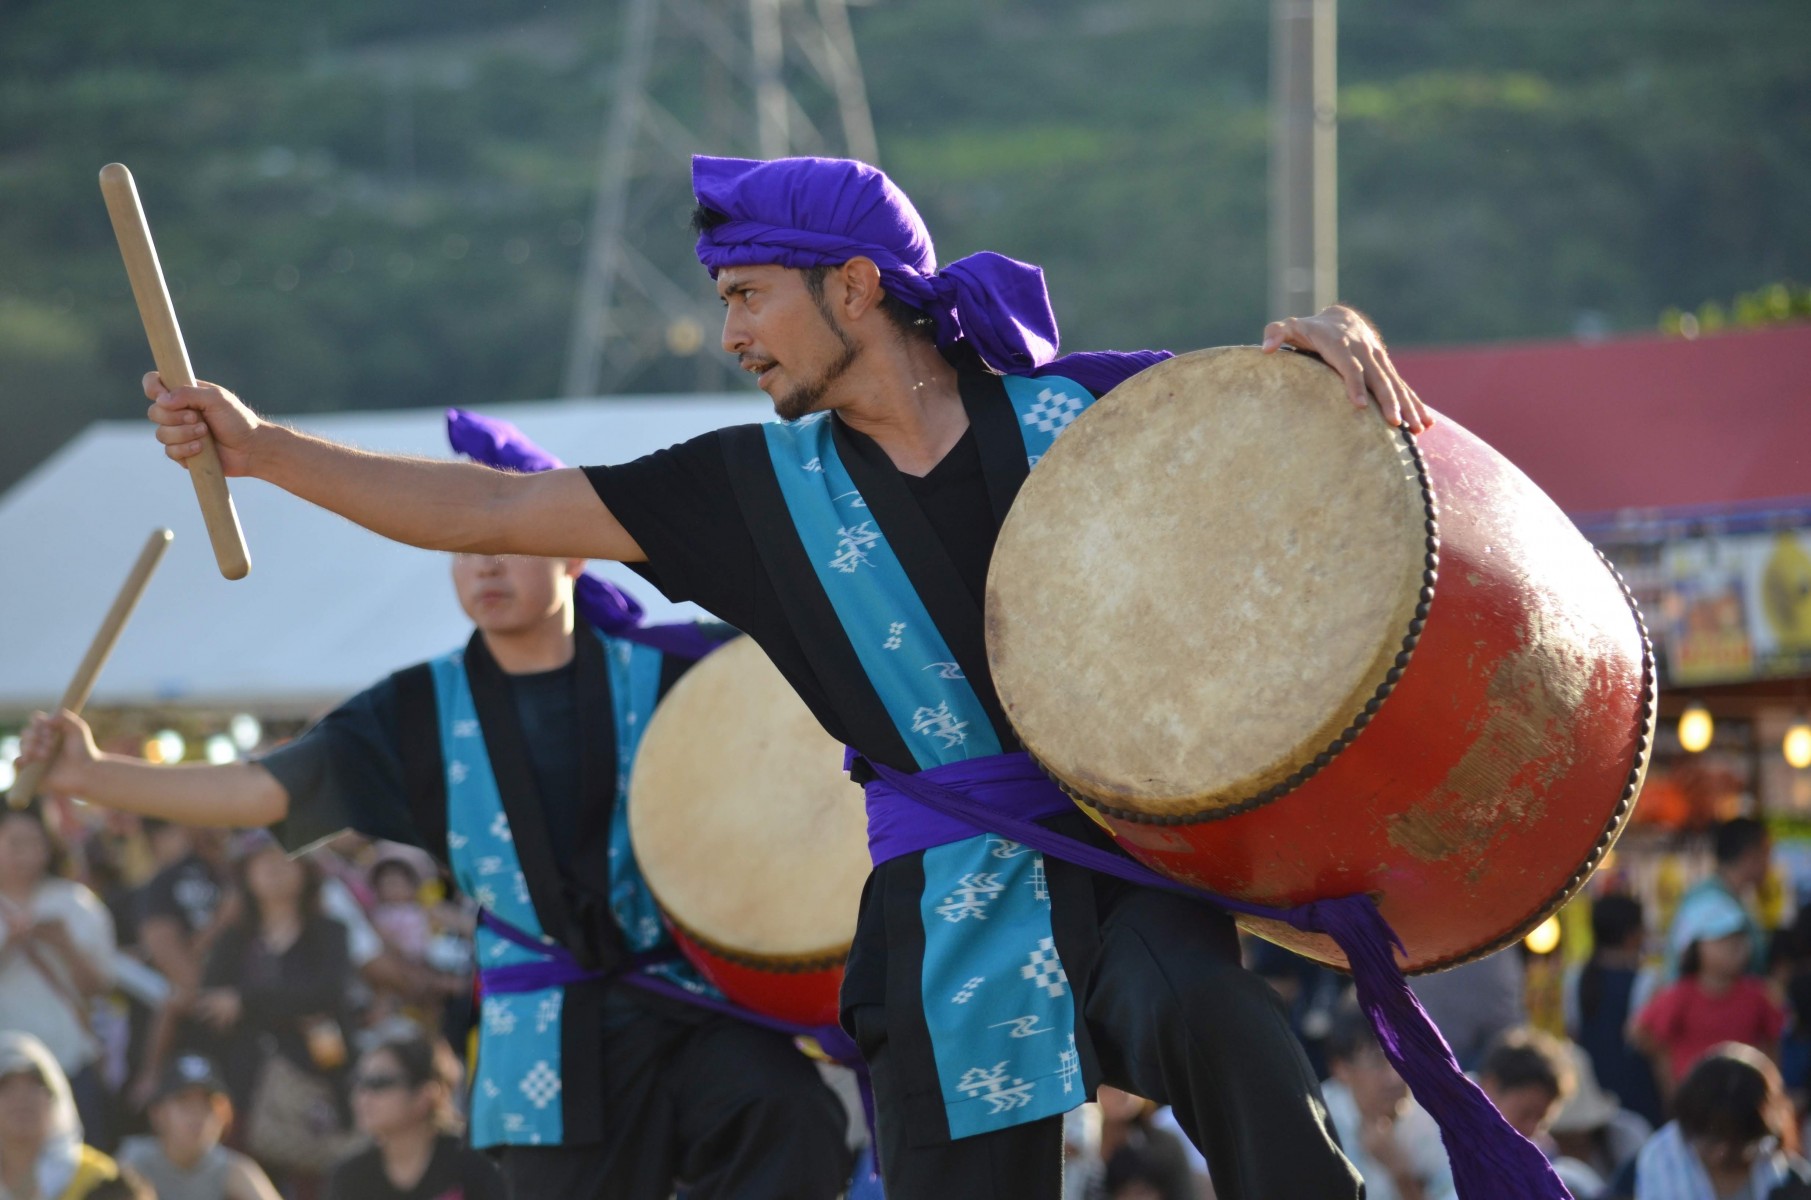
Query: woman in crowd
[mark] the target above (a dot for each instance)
(1733, 1137)
(274, 987)
(41, 1152)
(56, 954)
(402, 1095)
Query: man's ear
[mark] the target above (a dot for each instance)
(574, 567)
(862, 291)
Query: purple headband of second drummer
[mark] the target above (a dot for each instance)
(822, 212)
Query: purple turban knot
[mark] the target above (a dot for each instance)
(822, 212)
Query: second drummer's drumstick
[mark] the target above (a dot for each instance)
(172, 358)
(76, 694)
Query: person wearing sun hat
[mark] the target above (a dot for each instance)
(1715, 999)
(42, 1156)
(1592, 1128)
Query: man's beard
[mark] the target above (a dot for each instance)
(805, 398)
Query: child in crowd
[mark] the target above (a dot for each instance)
(183, 1159)
(398, 912)
(1715, 999)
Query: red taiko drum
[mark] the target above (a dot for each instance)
(750, 836)
(1285, 652)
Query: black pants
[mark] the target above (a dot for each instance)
(1175, 1018)
(723, 1109)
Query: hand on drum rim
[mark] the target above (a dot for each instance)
(1351, 345)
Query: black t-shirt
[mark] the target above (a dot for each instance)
(346, 771)
(681, 508)
(456, 1172)
(187, 891)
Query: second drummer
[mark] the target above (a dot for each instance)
(508, 760)
(990, 989)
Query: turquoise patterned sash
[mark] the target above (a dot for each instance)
(996, 999)
(517, 1084)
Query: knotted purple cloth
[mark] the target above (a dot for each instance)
(821, 212)
(607, 607)
(1007, 794)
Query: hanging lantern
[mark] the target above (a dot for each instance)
(1696, 728)
(1797, 745)
(1543, 938)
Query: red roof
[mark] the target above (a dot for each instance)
(1638, 422)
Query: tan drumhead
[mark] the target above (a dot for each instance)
(1204, 581)
(748, 832)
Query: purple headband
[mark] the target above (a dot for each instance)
(821, 212)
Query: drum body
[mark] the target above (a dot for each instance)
(750, 836)
(1301, 655)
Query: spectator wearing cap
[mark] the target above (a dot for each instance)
(183, 1158)
(1715, 999)
(42, 1156)
(1743, 850)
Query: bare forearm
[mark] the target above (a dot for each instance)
(439, 504)
(433, 503)
(237, 795)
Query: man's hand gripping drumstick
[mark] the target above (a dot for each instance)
(433, 503)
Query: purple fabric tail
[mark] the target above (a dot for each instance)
(1490, 1160)
(608, 608)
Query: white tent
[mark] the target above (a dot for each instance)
(327, 609)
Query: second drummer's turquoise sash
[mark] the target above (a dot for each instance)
(515, 1097)
(996, 999)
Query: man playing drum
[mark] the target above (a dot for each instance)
(509, 760)
(990, 988)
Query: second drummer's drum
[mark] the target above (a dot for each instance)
(1286, 653)
(750, 835)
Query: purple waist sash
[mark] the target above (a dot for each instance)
(1007, 794)
(558, 967)
(999, 786)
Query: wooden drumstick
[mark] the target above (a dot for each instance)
(172, 358)
(76, 694)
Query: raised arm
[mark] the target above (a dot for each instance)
(237, 795)
(433, 503)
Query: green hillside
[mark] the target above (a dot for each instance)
(380, 205)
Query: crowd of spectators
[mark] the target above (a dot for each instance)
(196, 1015)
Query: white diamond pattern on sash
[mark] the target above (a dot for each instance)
(1053, 411)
